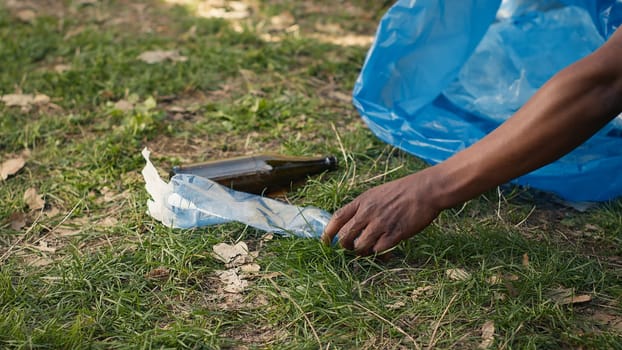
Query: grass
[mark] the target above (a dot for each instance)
(92, 270)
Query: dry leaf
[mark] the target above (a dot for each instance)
(123, 105)
(52, 212)
(62, 68)
(24, 100)
(421, 291)
(282, 21)
(18, 221)
(158, 56)
(457, 274)
(488, 335)
(249, 268)
(396, 305)
(233, 283)
(33, 199)
(26, 15)
(159, 273)
(229, 253)
(11, 166)
(525, 260)
(567, 296)
(609, 320)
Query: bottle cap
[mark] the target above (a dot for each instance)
(331, 162)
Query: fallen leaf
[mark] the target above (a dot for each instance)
(158, 56)
(232, 281)
(249, 268)
(488, 335)
(62, 68)
(123, 106)
(41, 99)
(282, 21)
(159, 273)
(396, 305)
(457, 274)
(52, 212)
(24, 100)
(26, 15)
(11, 167)
(606, 319)
(525, 260)
(18, 221)
(567, 296)
(230, 254)
(421, 291)
(33, 199)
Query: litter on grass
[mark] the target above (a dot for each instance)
(188, 201)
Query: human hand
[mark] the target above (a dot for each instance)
(385, 215)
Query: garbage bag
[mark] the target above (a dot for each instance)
(441, 75)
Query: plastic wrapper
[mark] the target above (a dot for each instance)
(188, 201)
(440, 75)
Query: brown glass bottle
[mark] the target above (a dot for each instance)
(259, 174)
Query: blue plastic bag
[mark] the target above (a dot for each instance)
(440, 75)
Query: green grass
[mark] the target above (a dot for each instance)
(81, 273)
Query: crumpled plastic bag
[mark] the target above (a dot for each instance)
(188, 201)
(440, 75)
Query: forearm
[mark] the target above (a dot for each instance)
(564, 113)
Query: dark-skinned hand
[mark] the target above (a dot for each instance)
(383, 216)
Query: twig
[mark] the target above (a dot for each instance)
(438, 323)
(383, 174)
(526, 217)
(341, 147)
(345, 158)
(499, 204)
(397, 328)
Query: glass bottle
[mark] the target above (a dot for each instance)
(259, 174)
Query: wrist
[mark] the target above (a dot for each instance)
(452, 183)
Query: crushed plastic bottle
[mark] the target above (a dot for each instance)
(188, 201)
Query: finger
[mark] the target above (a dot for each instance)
(385, 242)
(351, 231)
(366, 241)
(340, 218)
